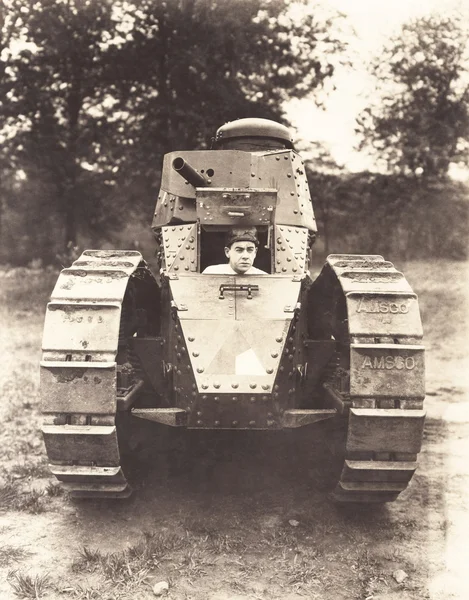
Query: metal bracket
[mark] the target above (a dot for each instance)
(237, 288)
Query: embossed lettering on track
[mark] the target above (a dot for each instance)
(382, 306)
(389, 362)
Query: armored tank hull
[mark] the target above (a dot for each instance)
(267, 351)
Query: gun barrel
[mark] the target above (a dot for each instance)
(189, 173)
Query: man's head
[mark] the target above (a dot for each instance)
(241, 249)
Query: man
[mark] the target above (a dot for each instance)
(241, 249)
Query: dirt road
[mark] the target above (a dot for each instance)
(242, 516)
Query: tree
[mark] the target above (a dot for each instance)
(48, 88)
(97, 91)
(420, 124)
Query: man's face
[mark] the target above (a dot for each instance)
(241, 256)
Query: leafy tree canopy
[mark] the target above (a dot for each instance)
(419, 123)
(93, 92)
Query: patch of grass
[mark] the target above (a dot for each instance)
(31, 470)
(13, 498)
(28, 586)
(8, 495)
(54, 489)
(10, 554)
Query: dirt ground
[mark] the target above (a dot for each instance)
(242, 516)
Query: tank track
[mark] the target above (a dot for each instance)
(87, 379)
(378, 376)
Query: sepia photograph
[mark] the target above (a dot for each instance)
(234, 299)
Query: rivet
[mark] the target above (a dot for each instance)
(252, 423)
(274, 354)
(290, 339)
(217, 385)
(253, 398)
(191, 339)
(188, 367)
(279, 339)
(178, 372)
(199, 422)
(265, 387)
(234, 423)
(234, 398)
(217, 423)
(194, 393)
(200, 370)
(288, 174)
(216, 398)
(235, 385)
(290, 357)
(269, 371)
(176, 268)
(199, 413)
(275, 394)
(275, 387)
(194, 387)
(284, 269)
(188, 247)
(295, 211)
(186, 268)
(282, 368)
(204, 397)
(265, 397)
(253, 386)
(292, 193)
(270, 423)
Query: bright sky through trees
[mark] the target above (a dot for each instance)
(374, 22)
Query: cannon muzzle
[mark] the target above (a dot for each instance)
(189, 173)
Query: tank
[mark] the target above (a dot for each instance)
(270, 349)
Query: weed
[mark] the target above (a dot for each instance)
(31, 502)
(9, 554)
(8, 495)
(88, 560)
(27, 586)
(31, 470)
(54, 489)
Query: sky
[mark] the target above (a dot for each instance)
(374, 22)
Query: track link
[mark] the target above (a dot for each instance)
(380, 376)
(83, 369)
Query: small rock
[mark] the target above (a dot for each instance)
(400, 575)
(161, 588)
(294, 522)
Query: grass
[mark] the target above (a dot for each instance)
(12, 497)
(28, 586)
(10, 554)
